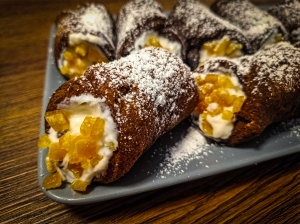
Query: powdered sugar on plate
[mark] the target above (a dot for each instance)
(193, 151)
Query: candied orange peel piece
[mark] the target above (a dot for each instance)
(153, 41)
(44, 141)
(54, 180)
(79, 185)
(58, 120)
(92, 127)
(56, 153)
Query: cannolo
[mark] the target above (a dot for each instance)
(288, 12)
(83, 37)
(205, 34)
(141, 23)
(239, 98)
(258, 26)
(99, 124)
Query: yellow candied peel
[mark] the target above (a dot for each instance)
(216, 90)
(82, 150)
(152, 42)
(54, 180)
(44, 141)
(77, 58)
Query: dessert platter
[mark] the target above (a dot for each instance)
(161, 100)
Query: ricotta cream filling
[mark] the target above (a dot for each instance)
(172, 46)
(77, 108)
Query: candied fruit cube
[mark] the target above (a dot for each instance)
(52, 181)
(153, 41)
(237, 104)
(206, 127)
(223, 95)
(86, 126)
(199, 81)
(65, 141)
(93, 127)
(81, 49)
(85, 163)
(86, 148)
(212, 78)
(206, 88)
(67, 55)
(98, 128)
(81, 64)
(214, 97)
(209, 46)
(221, 47)
(79, 185)
(50, 165)
(228, 101)
(227, 115)
(64, 70)
(44, 141)
(225, 82)
(76, 169)
(232, 48)
(56, 153)
(95, 160)
(57, 120)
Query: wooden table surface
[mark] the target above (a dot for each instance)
(268, 192)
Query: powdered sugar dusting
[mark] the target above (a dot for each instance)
(194, 152)
(192, 147)
(278, 64)
(159, 76)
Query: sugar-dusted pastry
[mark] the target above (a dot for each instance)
(83, 37)
(205, 34)
(239, 98)
(99, 124)
(258, 26)
(288, 12)
(141, 23)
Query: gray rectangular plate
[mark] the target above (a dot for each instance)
(158, 168)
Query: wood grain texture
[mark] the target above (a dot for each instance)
(265, 193)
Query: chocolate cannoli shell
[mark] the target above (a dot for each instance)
(297, 44)
(196, 24)
(257, 25)
(70, 22)
(271, 82)
(137, 17)
(144, 101)
(288, 12)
